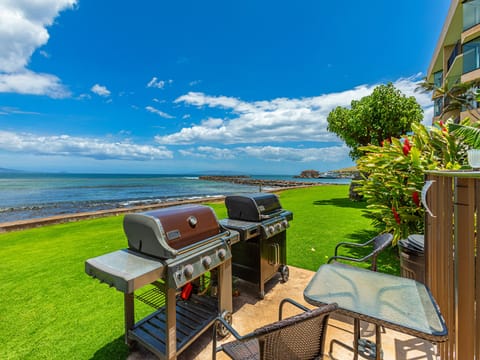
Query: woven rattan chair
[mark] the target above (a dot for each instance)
(377, 245)
(298, 337)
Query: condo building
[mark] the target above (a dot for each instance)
(456, 60)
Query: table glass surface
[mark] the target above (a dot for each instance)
(396, 300)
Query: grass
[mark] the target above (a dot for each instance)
(50, 309)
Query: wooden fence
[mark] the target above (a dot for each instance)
(451, 265)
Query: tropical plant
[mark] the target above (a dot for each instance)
(456, 97)
(393, 176)
(384, 114)
(468, 131)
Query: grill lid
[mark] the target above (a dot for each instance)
(161, 233)
(252, 207)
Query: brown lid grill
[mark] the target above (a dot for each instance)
(169, 231)
(253, 207)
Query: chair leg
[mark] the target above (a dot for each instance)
(214, 342)
(378, 341)
(356, 337)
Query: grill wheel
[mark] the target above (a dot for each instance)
(284, 272)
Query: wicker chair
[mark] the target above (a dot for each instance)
(298, 337)
(377, 244)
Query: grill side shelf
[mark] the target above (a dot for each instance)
(124, 270)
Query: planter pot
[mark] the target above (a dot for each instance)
(474, 158)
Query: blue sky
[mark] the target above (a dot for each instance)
(190, 86)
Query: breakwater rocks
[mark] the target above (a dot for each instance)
(247, 180)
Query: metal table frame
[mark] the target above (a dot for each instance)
(401, 304)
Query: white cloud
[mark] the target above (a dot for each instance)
(7, 110)
(159, 112)
(209, 152)
(277, 120)
(271, 153)
(65, 145)
(100, 90)
(27, 82)
(194, 82)
(276, 153)
(160, 84)
(23, 29)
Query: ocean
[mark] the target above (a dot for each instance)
(28, 196)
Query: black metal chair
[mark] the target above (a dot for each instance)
(298, 337)
(377, 244)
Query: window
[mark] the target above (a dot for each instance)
(471, 14)
(471, 55)
(437, 106)
(438, 79)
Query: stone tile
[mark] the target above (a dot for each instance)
(250, 312)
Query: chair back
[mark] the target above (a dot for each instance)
(381, 242)
(298, 337)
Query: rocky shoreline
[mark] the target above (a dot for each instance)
(246, 180)
(264, 185)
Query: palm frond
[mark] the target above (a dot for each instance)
(469, 134)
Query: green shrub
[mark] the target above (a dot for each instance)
(393, 176)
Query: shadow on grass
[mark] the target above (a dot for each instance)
(342, 202)
(117, 349)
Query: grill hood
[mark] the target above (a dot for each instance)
(252, 207)
(163, 233)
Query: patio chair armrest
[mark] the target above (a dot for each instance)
(350, 258)
(293, 302)
(219, 320)
(350, 244)
(229, 327)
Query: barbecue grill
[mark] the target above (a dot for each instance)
(261, 223)
(171, 250)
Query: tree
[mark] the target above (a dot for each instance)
(384, 114)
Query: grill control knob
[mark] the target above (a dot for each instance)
(271, 229)
(188, 270)
(222, 254)
(285, 224)
(278, 227)
(206, 261)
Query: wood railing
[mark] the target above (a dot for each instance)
(451, 265)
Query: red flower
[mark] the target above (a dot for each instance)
(442, 126)
(396, 216)
(406, 147)
(416, 198)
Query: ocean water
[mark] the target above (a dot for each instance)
(29, 196)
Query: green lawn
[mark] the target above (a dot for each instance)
(50, 309)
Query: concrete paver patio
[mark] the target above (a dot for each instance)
(250, 313)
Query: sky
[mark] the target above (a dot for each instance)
(185, 87)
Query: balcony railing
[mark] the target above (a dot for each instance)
(457, 50)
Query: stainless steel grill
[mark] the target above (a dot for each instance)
(171, 250)
(262, 224)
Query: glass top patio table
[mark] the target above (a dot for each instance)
(398, 303)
